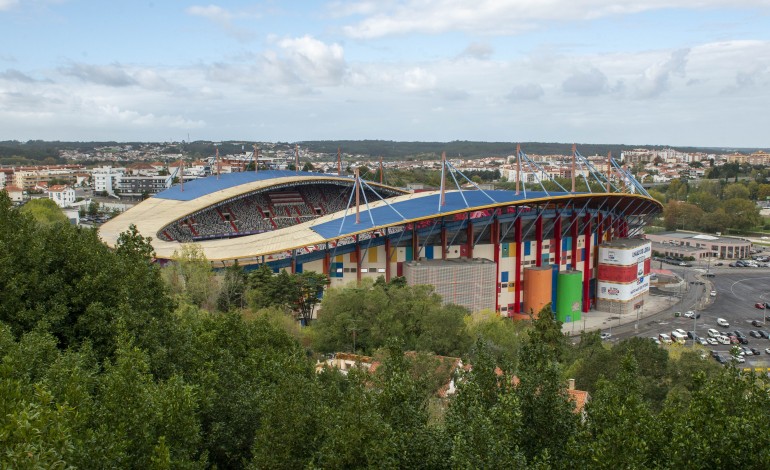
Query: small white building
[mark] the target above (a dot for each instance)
(15, 193)
(62, 195)
(104, 178)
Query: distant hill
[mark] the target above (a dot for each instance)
(471, 149)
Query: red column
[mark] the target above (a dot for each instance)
(539, 236)
(495, 233)
(623, 228)
(586, 264)
(574, 235)
(327, 262)
(415, 243)
(293, 262)
(387, 259)
(517, 270)
(557, 240)
(610, 233)
(599, 228)
(443, 242)
(469, 238)
(358, 260)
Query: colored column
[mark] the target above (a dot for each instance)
(517, 269)
(358, 260)
(387, 259)
(495, 234)
(415, 243)
(443, 241)
(586, 263)
(557, 240)
(539, 236)
(469, 237)
(574, 234)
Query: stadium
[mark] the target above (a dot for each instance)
(511, 251)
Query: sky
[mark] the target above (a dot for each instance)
(635, 72)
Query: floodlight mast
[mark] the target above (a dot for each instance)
(339, 162)
(256, 159)
(356, 186)
(380, 169)
(518, 167)
(574, 153)
(442, 201)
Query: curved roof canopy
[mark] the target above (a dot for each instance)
(154, 213)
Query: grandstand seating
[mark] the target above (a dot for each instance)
(255, 213)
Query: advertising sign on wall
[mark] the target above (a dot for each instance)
(624, 256)
(622, 292)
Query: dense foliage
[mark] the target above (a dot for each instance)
(108, 360)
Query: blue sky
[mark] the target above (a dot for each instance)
(670, 72)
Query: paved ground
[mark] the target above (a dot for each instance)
(737, 291)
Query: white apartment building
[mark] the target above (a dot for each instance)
(62, 195)
(105, 178)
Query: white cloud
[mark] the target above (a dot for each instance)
(313, 61)
(418, 79)
(497, 16)
(8, 4)
(526, 92)
(656, 77)
(590, 82)
(225, 19)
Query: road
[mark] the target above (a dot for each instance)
(737, 289)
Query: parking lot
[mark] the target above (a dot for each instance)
(737, 292)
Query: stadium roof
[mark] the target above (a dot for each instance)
(153, 214)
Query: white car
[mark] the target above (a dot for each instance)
(740, 360)
(703, 342)
(689, 314)
(680, 332)
(723, 339)
(605, 336)
(767, 350)
(713, 333)
(713, 293)
(712, 341)
(722, 322)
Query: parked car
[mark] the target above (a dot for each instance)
(702, 341)
(764, 334)
(605, 335)
(719, 264)
(723, 339)
(689, 314)
(712, 341)
(665, 338)
(760, 305)
(713, 293)
(739, 359)
(722, 322)
(767, 350)
(712, 333)
(754, 334)
(756, 352)
(756, 323)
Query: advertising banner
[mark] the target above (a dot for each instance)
(622, 292)
(624, 256)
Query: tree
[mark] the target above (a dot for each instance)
(190, 275)
(44, 211)
(232, 293)
(308, 288)
(743, 214)
(93, 208)
(736, 191)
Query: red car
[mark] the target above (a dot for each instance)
(759, 305)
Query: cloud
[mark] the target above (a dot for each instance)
(495, 16)
(110, 75)
(16, 76)
(477, 50)
(225, 19)
(8, 4)
(589, 83)
(526, 92)
(309, 60)
(418, 79)
(655, 79)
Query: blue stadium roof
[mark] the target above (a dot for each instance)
(204, 186)
(423, 207)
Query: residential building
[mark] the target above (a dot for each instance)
(62, 195)
(130, 185)
(104, 178)
(699, 245)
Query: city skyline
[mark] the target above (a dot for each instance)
(642, 72)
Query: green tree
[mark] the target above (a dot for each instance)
(44, 211)
(232, 293)
(743, 214)
(736, 191)
(190, 276)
